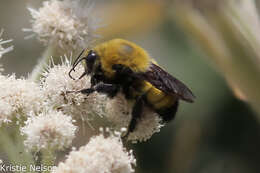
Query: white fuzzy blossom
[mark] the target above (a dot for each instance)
(49, 130)
(18, 97)
(6, 111)
(148, 124)
(119, 112)
(66, 23)
(55, 85)
(100, 155)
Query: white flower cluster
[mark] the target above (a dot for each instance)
(100, 155)
(48, 130)
(66, 23)
(45, 129)
(119, 112)
(56, 83)
(148, 124)
(52, 129)
(18, 97)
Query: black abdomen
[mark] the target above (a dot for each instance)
(169, 113)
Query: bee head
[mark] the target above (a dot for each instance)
(90, 60)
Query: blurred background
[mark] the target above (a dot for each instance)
(218, 133)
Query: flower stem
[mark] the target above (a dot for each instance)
(12, 143)
(42, 64)
(48, 158)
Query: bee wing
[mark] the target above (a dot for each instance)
(167, 83)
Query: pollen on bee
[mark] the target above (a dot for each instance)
(125, 48)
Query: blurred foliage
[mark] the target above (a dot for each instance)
(217, 133)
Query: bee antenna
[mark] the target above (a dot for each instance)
(70, 74)
(75, 65)
(78, 57)
(83, 74)
(76, 62)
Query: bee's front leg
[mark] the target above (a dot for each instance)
(109, 89)
(93, 81)
(87, 91)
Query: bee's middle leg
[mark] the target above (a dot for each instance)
(109, 89)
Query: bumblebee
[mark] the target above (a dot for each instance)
(120, 65)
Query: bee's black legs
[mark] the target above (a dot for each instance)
(109, 89)
(136, 113)
(86, 91)
(126, 77)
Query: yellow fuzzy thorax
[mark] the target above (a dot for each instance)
(119, 51)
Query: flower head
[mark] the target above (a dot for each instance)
(148, 124)
(101, 154)
(18, 97)
(66, 23)
(119, 113)
(49, 129)
(56, 83)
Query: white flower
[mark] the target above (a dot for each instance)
(6, 112)
(56, 83)
(148, 124)
(119, 113)
(18, 97)
(100, 155)
(67, 23)
(48, 130)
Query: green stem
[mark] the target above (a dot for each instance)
(48, 158)
(13, 146)
(43, 63)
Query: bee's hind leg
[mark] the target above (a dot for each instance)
(136, 113)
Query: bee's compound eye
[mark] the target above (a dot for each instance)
(91, 56)
(90, 60)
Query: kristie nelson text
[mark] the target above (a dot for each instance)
(23, 168)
